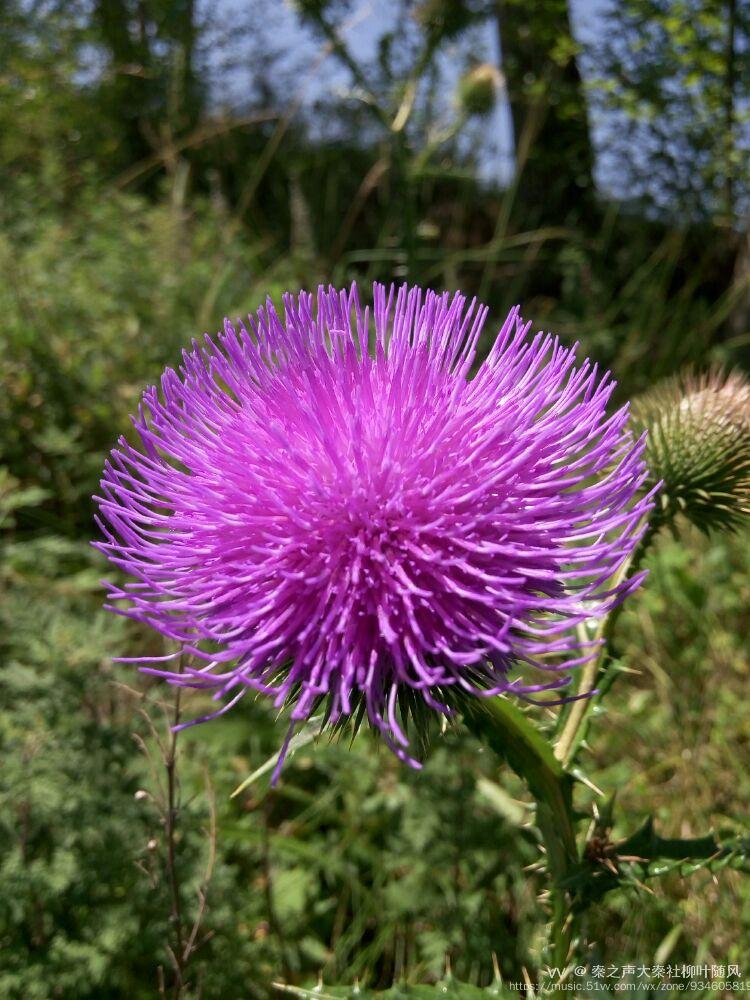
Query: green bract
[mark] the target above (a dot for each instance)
(699, 446)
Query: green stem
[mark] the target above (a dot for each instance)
(500, 725)
(402, 176)
(575, 724)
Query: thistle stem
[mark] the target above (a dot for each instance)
(502, 726)
(573, 729)
(170, 823)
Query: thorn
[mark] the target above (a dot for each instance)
(642, 885)
(529, 985)
(587, 782)
(496, 968)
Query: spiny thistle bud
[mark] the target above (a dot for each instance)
(443, 19)
(699, 445)
(477, 89)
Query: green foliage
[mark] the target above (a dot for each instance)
(447, 988)
(672, 739)
(75, 913)
(136, 282)
(671, 76)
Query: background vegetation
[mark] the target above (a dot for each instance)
(164, 163)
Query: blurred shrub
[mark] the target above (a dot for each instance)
(96, 298)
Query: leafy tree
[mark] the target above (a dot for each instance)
(670, 86)
(554, 156)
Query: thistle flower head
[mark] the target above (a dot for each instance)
(327, 507)
(699, 446)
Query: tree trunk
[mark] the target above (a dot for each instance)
(730, 81)
(554, 156)
(152, 84)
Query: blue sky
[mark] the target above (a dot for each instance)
(320, 77)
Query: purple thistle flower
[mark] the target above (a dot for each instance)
(333, 514)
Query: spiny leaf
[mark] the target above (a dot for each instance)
(645, 855)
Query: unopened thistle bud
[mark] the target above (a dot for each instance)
(478, 89)
(443, 19)
(699, 445)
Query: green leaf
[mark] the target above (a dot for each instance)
(503, 727)
(646, 855)
(306, 735)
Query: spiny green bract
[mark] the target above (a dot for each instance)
(699, 446)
